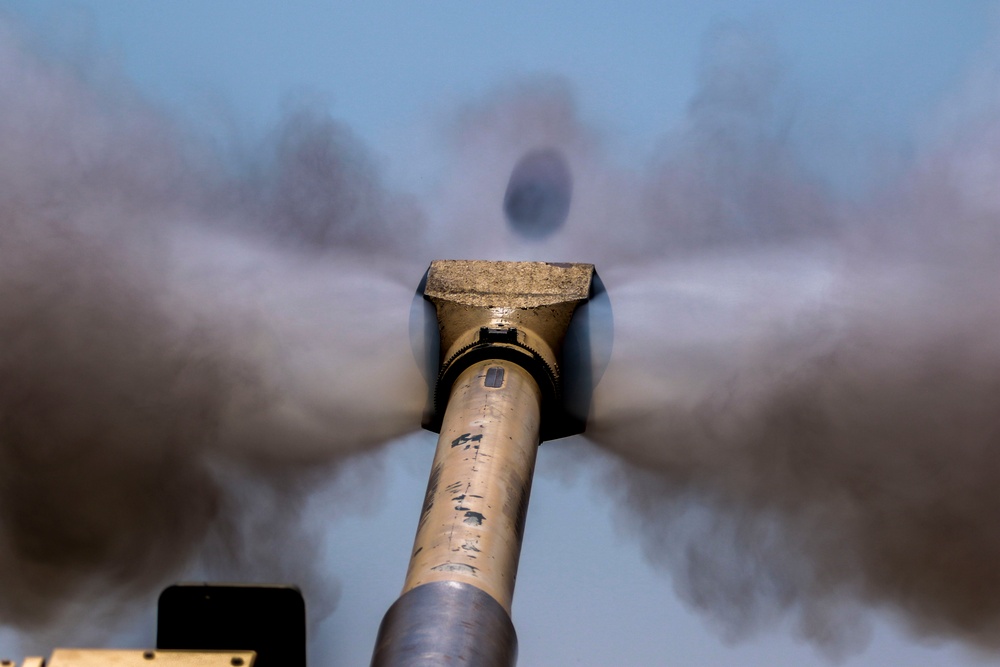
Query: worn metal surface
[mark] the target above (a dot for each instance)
(150, 658)
(445, 624)
(483, 283)
(518, 311)
(472, 521)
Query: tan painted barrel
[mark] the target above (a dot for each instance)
(472, 521)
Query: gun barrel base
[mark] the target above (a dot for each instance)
(444, 624)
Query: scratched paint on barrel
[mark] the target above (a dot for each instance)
(486, 452)
(429, 495)
(474, 518)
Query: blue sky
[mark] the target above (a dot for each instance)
(859, 79)
(388, 68)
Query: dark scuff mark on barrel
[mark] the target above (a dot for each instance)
(432, 484)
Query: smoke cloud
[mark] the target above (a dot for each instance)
(175, 337)
(802, 394)
(808, 404)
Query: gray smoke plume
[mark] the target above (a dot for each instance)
(803, 390)
(808, 405)
(174, 337)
